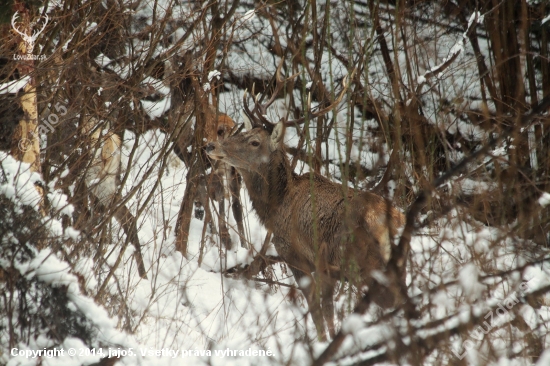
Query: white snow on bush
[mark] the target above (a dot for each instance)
(14, 86)
(19, 187)
(544, 200)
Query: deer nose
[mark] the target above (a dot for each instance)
(210, 147)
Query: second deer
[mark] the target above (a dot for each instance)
(318, 226)
(223, 182)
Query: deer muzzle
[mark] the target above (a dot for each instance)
(213, 151)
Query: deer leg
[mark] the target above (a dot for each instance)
(312, 300)
(326, 272)
(208, 219)
(381, 295)
(236, 207)
(327, 303)
(224, 233)
(238, 215)
(216, 191)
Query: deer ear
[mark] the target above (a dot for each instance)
(278, 133)
(247, 123)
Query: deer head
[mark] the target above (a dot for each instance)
(224, 127)
(248, 150)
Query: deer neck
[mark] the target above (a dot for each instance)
(269, 186)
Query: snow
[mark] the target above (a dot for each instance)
(187, 303)
(91, 27)
(352, 324)
(536, 277)
(20, 180)
(214, 74)
(475, 15)
(156, 109)
(456, 49)
(59, 201)
(14, 86)
(46, 267)
(471, 186)
(544, 199)
(248, 15)
(468, 278)
(72, 233)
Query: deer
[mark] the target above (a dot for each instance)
(194, 100)
(319, 227)
(223, 182)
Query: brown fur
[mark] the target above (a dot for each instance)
(318, 226)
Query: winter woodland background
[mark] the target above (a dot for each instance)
(101, 155)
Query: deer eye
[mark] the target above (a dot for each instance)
(220, 132)
(255, 143)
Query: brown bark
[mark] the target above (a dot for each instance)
(25, 143)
